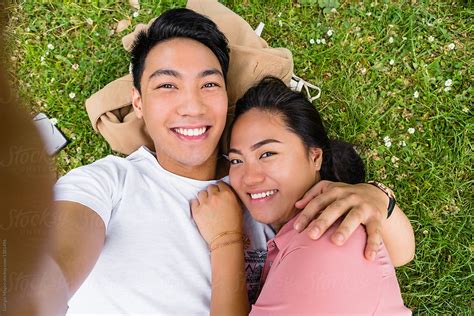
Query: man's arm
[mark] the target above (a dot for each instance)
(78, 235)
(362, 204)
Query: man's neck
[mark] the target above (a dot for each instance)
(204, 172)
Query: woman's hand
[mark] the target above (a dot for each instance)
(364, 204)
(217, 210)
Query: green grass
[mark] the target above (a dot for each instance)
(364, 100)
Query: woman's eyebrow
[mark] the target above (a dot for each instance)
(264, 142)
(256, 145)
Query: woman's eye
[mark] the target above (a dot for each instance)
(267, 154)
(235, 161)
(210, 85)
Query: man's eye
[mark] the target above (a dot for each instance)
(166, 86)
(210, 85)
(267, 154)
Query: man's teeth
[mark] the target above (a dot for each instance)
(190, 131)
(261, 195)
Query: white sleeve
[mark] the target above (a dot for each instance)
(97, 186)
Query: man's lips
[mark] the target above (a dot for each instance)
(191, 133)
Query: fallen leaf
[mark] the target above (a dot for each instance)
(134, 4)
(122, 25)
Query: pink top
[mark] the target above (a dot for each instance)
(307, 277)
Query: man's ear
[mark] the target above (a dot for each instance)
(137, 102)
(316, 155)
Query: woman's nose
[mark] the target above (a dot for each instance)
(253, 175)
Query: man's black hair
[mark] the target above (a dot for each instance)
(178, 23)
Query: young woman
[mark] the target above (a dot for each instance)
(278, 150)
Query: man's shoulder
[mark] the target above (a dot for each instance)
(111, 164)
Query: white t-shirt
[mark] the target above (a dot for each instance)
(154, 260)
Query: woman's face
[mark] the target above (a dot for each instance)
(270, 167)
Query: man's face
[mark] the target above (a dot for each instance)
(183, 102)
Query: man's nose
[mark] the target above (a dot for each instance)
(192, 104)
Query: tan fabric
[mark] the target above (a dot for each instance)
(251, 58)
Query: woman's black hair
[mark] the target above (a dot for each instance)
(340, 160)
(178, 23)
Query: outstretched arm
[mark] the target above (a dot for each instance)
(361, 204)
(218, 215)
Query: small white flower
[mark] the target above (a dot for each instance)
(319, 24)
(75, 66)
(448, 83)
(391, 62)
(390, 39)
(411, 130)
(416, 94)
(27, 30)
(402, 143)
(465, 109)
(72, 95)
(135, 14)
(47, 53)
(42, 58)
(387, 139)
(53, 120)
(451, 46)
(329, 32)
(394, 159)
(50, 46)
(368, 13)
(323, 41)
(430, 39)
(318, 41)
(89, 21)
(363, 70)
(388, 144)
(279, 14)
(333, 10)
(311, 41)
(280, 23)
(446, 89)
(404, 38)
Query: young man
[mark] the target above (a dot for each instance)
(125, 239)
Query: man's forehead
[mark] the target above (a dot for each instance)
(181, 56)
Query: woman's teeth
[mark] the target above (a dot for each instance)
(262, 195)
(191, 131)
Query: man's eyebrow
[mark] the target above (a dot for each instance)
(210, 72)
(256, 145)
(165, 72)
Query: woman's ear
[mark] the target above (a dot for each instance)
(137, 102)
(316, 155)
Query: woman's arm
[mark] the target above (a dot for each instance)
(364, 204)
(218, 216)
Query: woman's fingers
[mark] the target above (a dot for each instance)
(212, 189)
